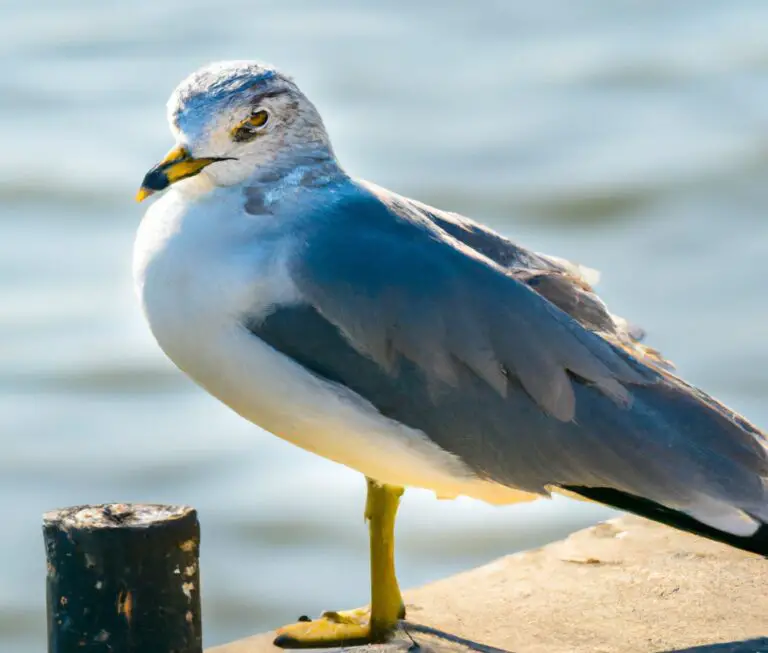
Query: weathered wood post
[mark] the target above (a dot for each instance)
(123, 577)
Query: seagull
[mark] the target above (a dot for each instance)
(410, 343)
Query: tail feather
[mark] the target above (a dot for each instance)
(757, 542)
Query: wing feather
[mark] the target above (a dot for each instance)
(439, 336)
(393, 283)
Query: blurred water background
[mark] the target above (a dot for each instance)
(630, 135)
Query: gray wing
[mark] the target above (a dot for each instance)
(445, 340)
(398, 287)
(566, 284)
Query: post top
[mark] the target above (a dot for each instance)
(115, 515)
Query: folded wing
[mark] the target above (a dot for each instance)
(496, 370)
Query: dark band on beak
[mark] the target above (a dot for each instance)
(177, 165)
(156, 180)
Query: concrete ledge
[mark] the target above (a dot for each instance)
(624, 586)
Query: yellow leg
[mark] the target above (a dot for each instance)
(361, 626)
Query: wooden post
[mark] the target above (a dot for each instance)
(124, 578)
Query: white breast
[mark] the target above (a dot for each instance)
(200, 265)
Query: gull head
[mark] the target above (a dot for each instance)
(232, 119)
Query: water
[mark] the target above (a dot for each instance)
(629, 135)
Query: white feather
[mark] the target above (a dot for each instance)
(200, 264)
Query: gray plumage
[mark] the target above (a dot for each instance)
(458, 340)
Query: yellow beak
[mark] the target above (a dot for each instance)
(178, 164)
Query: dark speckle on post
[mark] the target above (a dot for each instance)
(114, 581)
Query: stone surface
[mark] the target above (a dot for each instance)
(623, 586)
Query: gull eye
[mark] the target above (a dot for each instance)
(249, 128)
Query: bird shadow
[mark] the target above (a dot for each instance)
(415, 638)
(758, 645)
(425, 638)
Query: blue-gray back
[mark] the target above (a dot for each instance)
(452, 340)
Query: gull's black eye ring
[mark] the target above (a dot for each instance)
(250, 127)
